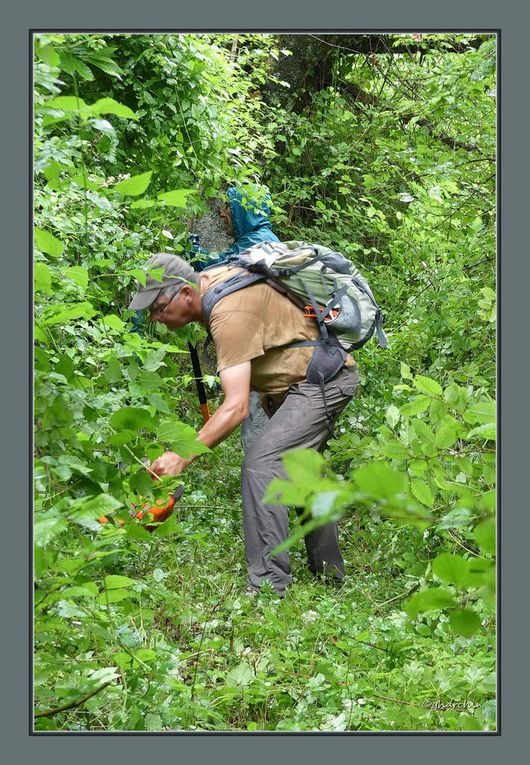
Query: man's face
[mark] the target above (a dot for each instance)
(226, 217)
(175, 312)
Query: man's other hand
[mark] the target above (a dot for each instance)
(169, 463)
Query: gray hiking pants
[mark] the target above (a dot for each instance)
(299, 422)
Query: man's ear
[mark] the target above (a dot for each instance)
(186, 290)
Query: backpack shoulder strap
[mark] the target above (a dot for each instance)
(234, 283)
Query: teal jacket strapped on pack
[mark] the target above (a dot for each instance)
(250, 227)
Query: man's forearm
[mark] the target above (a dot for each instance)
(221, 424)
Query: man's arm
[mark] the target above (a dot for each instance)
(235, 382)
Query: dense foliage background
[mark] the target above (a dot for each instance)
(381, 146)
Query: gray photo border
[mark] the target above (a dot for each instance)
(334, 15)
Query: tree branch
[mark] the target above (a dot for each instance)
(72, 704)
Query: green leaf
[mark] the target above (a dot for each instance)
(484, 534)
(47, 526)
(392, 415)
(481, 411)
(86, 511)
(48, 243)
(303, 465)
(284, 492)
(77, 274)
(135, 185)
(426, 437)
(176, 198)
(417, 405)
(487, 432)
(131, 418)
(428, 385)
(241, 675)
(452, 393)
(113, 596)
(405, 371)
(153, 360)
(65, 104)
(464, 621)
(120, 438)
(457, 518)
(325, 502)
(168, 528)
(451, 569)
(72, 64)
(43, 278)
(135, 531)
(422, 491)
(159, 403)
(88, 590)
(380, 481)
(434, 598)
(58, 314)
(116, 581)
(445, 436)
(110, 106)
(48, 54)
(181, 438)
(394, 449)
(111, 321)
(142, 204)
(106, 65)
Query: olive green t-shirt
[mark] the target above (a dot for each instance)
(252, 325)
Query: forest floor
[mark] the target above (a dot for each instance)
(326, 657)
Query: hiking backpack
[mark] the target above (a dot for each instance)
(322, 282)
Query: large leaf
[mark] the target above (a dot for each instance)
(58, 314)
(135, 185)
(428, 385)
(116, 581)
(392, 415)
(435, 598)
(43, 278)
(131, 418)
(481, 411)
(176, 198)
(487, 432)
(484, 534)
(106, 64)
(66, 104)
(113, 596)
(77, 274)
(303, 465)
(86, 511)
(47, 526)
(380, 481)
(422, 491)
(181, 438)
(446, 436)
(417, 405)
(110, 106)
(241, 675)
(451, 569)
(464, 621)
(48, 243)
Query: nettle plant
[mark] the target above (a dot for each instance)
(430, 465)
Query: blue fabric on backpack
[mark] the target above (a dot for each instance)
(249, 228)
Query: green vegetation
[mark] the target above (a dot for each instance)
(383, 147)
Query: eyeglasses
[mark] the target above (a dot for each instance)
(158, 310)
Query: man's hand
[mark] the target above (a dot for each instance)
(169, 463)
(236, 387)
